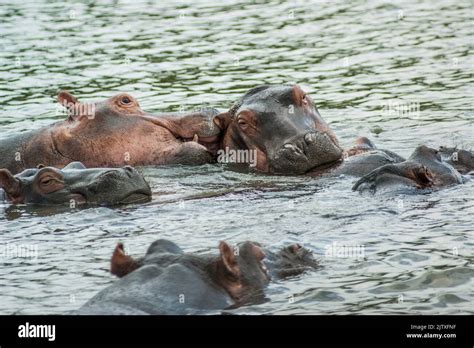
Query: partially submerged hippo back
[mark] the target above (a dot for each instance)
(462, 160)
(75, 185)
(282, 127)
(361, 159)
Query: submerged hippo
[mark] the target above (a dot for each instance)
(112, 133)
(169, 281)
(424, 169)
(460, 159)
(75, 184)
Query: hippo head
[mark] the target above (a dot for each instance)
(241, 270)
(116, 132)
(282, 126)
(290, 261)
(424, 169)
(462, 160)
(75, 184)
(442, 173)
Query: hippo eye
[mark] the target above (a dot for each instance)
(304, 101)
(47, 181)
(242, 123)
(125, 100)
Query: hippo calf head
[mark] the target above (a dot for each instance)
(283, 127)
(75, 183)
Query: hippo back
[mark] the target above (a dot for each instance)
(176, 289)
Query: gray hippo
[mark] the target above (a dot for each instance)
(462, 160)
(74, 184)
(170, 281)
(112, 133)
(283, 128)
(424, 169)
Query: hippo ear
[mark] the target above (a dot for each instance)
(66, 99)
(121, 264)
(228, 259)
(9, 183)
(75, 165)
(222, 120)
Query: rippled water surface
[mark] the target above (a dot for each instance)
(354, 59)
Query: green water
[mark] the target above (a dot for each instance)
(361, 62)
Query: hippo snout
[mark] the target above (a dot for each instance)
(305, 152)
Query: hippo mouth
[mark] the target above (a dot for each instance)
(312, 151)
(210, 143)
(135, 197)
(140, 196)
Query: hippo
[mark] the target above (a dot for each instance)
(282, 127)
(462, 160)
(424, 169)
(74, 184)
(168, 281)
(113, 133)
(361, 159)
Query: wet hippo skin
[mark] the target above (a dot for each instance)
(462, 160)
(283, 127)
(74, 184)
(112, 133)
(169, 281)
(424, 169)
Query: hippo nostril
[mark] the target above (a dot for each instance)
(310, 138)
(294, 148)
(129, 170)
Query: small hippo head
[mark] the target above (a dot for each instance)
(290, 261)
(282, 126)
(75, 184)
